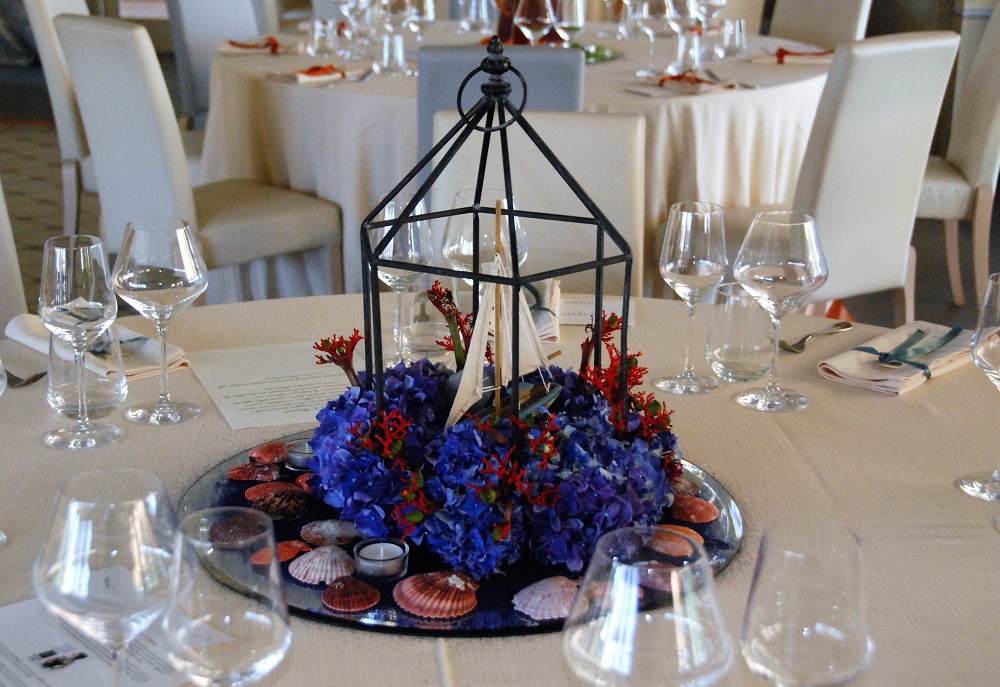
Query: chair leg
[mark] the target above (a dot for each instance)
(982, 211)
(905, 297)
(72, 189)
(954, 267)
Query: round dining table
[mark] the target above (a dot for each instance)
(884, 466)
(350, 142)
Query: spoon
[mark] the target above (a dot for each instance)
(800, 345)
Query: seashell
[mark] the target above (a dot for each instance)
(350, 595)
(684, 530)
(670, 544)
(656, 575)
(286, 504)
(547, 599)
(302, 481)
(254, 472)
(693, 509)
(322, 565)
(442, 594)
(270, 453)
(233, 530)
(329, 532)
(264, 488)
(683, 485)
(287, 550)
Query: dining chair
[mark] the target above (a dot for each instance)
(268, 16)
(197, 28)
(864, 163)
(77, 168)
(12, 301)
(961, 185)
(140, 171)
(554, 78)
(824, 23)
(615, 185)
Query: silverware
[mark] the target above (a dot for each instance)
(800, 345)
(715, 77)
(13, 381)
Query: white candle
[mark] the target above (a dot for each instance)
(381, 557)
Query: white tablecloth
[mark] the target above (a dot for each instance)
(350, 142)
(884, 466)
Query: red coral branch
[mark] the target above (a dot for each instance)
(340, 351)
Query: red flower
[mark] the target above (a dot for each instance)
(340, 352)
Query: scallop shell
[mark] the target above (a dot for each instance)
(683, 485)
(233, 530)
(547, 599)
(350, 595)
(694, 509)
(264, 488)
(442, 594)
(657, 575)
(670, 544)
(270, 453)
(329, 532)
(287, 550)
(302, 481)
(684, 530)
(322, 565)
(287, 504)
(254, 472)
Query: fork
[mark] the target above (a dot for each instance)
(800, 345)
(13, 381)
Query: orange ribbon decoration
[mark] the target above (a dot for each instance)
(270, 43)
(322, 70)
(688, 77)
(781, 54)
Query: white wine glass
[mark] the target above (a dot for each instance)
(394, 17)
(534, 18)
(159, 272)
(413, 245)
(227, 622)
(421, 16)
(708, 10)
(986, 355)
(654, 21)
(685, 21)
(77, 304)
(806, 623)
(693, 263)
(780, 263)
(646, 613)
(570, 19)
(104, 565)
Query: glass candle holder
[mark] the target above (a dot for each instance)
(381, 557)
(299, 454)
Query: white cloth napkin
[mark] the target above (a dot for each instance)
(819, 58)
(672, 88)
(140, 358)
(859, 368)
(546, 316)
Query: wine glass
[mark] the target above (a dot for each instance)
(458, 243)
(227, 622)
(646, 613)
(986, 355)
(535, 18)
(393, 16)
(104, 566)
(76, 303)
(421, 16)
(412, 244)
(779, 264)
(805, 623)
(685, 21)
(653, 20)
(707, 11)
(570, 18)
(692, 262)
(160, 271)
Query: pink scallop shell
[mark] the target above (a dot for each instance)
(547, 599)
(329, 532)
(350, 595)
(270, 453)
(322, 565)
(442, 594)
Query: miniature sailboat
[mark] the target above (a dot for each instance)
(496, 310)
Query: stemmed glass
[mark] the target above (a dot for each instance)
(779, 264)
(394, 16)
(421, 16)
(805, 623)
(160, 271)
(535, 18)
(412, 244)
(653, 20)
(707, 11)
(227, 622)
(104, 566)
(692, 262)
(986, 354)
(685, 21)
(76, 303)
(570, 18)
(646, 613)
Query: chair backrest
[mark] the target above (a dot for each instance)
(198, 27)
(615, 185)
(69, 126)
(268, 16)
(12, 302)
(554, 78)
(864, 164)
(826, 23)
(138, 156)
(974, 146)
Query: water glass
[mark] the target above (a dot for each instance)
(323, 39)
(105, 385)
(739, 336)
(734, 38)
(478, 16)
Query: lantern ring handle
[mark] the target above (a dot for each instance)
(489, 129)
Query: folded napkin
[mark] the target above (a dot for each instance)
(901, 360)
(267, 45)
(140, 354)
(320, 73)
(783, 56)
(545, 309)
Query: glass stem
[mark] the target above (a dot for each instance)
(398, 326)
(161, 329)
(82, 418)
(116, 667)
(772, 377)
(652, 42)
(688, 367)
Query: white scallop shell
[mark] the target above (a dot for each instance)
(329, 532)
(547, 599)
(322, 565)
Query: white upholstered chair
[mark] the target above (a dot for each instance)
(140, 170)
(615, 185)
(825, 23)
(864, 163)
(12, 302)
(962, 184)
(77, 170)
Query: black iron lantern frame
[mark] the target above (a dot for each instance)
(491, 115)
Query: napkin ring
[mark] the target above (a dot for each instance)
(904, 353)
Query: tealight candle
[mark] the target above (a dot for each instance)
(381, 557)
(299, 454)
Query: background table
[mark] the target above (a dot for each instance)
(350, 142)
(884, 466)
